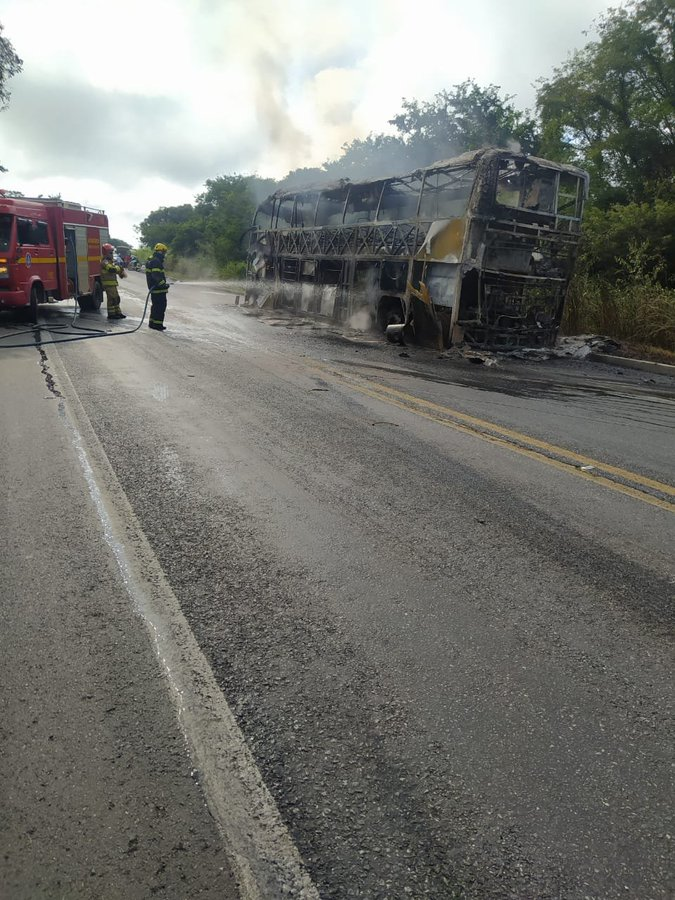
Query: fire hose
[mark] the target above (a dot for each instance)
(69, 338)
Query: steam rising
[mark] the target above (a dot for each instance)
(247, 86)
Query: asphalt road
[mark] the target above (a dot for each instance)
(434, 599)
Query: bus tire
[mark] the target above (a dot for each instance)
(390, 311)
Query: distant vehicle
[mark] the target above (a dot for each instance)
(479, 248)
(49, 250)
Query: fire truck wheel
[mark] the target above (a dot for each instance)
(92, 302)
(96, 296)
(35, 299)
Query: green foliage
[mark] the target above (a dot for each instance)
(162, 224)
(227, 207)
(466, 118)
(376, 156)
(297, 178)
(611, 107)
(121, 246)
(611, 236)
(209, 233)
(188, 237)
(234, 270)
(10, 65)
(635, 307)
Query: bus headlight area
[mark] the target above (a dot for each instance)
(478, 249)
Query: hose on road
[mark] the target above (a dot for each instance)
(92, 333)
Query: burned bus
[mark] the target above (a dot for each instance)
(479, 248)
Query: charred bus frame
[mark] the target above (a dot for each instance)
(479, 248)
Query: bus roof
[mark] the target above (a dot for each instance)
(456, 162)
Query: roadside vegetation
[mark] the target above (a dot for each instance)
(609, 108)
(10, 64)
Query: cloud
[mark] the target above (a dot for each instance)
(78, 130)
(163, 98)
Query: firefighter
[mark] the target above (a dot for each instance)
(109, 273)
(157, 284)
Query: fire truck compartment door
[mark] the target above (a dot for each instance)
(82, 258)
(71, 258)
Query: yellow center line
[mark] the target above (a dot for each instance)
(504, 437)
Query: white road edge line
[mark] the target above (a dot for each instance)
(265, 861)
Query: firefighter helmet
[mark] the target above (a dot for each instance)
(161, 248)
(107, 248)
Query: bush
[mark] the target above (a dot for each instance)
(635, 234)
(636, 306)
(234, 269)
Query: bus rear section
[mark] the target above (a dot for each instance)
(50, 250)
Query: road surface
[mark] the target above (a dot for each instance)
(323, 616)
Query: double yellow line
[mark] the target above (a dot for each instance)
(632, 484)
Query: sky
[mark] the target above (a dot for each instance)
(130, 106)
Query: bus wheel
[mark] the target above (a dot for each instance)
(35, 300)
(390, 312)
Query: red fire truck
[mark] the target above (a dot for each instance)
(49, 250)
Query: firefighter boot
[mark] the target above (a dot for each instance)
(114, 311)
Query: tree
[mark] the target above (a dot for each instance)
(296, 178)
(10, 65)
(376, 156)
(212, 228)
(611, 107)
(612, 236)
(120, 246)
(466, 118)
(162, 224)
(227, 207)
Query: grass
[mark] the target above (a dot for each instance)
(646, 351)
(638, 312)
